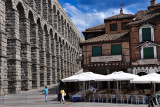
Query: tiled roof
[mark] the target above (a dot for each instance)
(107, 37)
(119, 17)
(98, 27)
(146, 16)
(94, 31)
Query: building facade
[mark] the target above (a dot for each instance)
(107, 47)
(145, 40)
(124, 42)
(39, 44)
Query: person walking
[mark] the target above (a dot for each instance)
(46, 93)
(62, 95)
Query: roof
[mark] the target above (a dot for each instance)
(147, 16)
(98, 27)
(119, 17)
(107, 37)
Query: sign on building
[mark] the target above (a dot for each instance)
(106, 58)
(145, 70)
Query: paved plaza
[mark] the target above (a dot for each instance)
(35, 98)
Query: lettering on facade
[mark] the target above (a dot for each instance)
(146, 62)
(106, 58)
(136, 71)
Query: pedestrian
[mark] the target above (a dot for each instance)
(46, 93)
(62, 95)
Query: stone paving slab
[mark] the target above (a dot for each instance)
(71, 104)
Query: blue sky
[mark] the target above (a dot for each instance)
(89, 13)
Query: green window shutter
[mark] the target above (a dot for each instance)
(116, 49)
(146, 34)
(148, 53)
(97, 51)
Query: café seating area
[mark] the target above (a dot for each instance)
(118, 98)
(113, 96)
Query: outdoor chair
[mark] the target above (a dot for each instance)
(96, 97)
(118, 98)
(141, 99)
(91, 97)
(133, 99)
(109, 97)
(125, 98)
(104, 97)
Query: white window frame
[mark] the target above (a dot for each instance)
(146, 26)
(154, 49)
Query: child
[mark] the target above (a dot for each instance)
(46, 93)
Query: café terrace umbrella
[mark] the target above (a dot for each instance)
(149, 78)
(120, 76)
(85, 76)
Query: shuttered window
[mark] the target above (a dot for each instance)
(116, 49)
(146, 34)
(96, 51)
(148, 53)
(124, 26)
(113, 27)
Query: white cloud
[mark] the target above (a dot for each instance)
(91, 18)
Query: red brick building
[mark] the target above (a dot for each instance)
(106, 48)
(124, 42)
(145, 40)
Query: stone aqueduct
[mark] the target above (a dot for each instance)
(39, 44)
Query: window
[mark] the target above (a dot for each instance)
(146, 34)
(96, 51)
(116, 49)
(124, 27)
(89, 37)
(148, 53)
(113, 27)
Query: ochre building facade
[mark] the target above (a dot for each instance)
(39, 44)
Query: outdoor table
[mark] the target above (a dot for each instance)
(77, 97)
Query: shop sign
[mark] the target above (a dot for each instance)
(106, 58)
(146, 62)
(153, 70)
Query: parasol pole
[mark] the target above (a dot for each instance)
(117, 86)
(154, 88)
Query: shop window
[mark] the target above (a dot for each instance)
(124, 26)
(113, 27)
(148, 53)
(96, 51)
(116, 49)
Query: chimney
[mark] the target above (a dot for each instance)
(153, 2)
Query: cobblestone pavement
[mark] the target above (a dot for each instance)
(35, 98)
